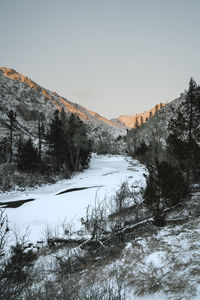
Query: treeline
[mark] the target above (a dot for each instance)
(68, 143)
(61, 147)
(171, 152)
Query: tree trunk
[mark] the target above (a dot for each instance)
(11, 142)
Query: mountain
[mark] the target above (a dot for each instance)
(130, 121)
(28, 99)
(155, 129)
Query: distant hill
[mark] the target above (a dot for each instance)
(156, 127)
(130, 121)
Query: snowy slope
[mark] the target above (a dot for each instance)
(156, 263)
(27, 98)
(157, 126)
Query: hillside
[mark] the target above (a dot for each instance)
(130, 121)
(28, 99)
(156, 127)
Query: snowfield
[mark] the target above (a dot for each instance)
(48, 210)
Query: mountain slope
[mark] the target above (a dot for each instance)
(130, 121)
(28, 99)
(155, 129)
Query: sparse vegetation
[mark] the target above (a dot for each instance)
(141, 241)
(16, 272)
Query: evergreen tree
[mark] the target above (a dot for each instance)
(79, 146)
(56, 140)
(141, 149)
(184, 130)
(68, 141)
(12, 119)
(4, 150)
(20, 145)
(27, 156)
(136, 123)
(41, 132)
(166, 187)
(156, 107)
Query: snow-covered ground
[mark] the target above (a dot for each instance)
(104, 177)
(162, 263)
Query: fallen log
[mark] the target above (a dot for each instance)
(52, 242)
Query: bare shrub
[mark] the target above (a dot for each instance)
(15, 267)
(121, 196)
(96, 219)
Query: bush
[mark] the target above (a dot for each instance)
(15, 269)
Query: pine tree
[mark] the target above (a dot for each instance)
(4, 149)
(56, 140)
(28, 158)
(79, 146)
(12, 119)
(150, 114)
(185, 131)
(156, 107)
(166, 187)
(136, 123)
(41, 132)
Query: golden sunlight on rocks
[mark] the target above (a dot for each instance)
(130, 121)
(12, 74)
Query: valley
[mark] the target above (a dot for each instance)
(92, 208)
(100, 150)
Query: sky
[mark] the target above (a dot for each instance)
(115, 57)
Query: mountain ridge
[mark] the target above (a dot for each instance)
(27, 98)
(130, 120)
(19, 90)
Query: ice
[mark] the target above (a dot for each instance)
(49, 209)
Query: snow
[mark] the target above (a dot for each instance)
(48, 210)
(169, 258)
(163, 264)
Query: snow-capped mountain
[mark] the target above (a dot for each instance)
(27, 98)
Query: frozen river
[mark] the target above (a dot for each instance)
(49, 208)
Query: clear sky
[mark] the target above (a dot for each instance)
(112, 56)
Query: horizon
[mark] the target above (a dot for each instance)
(111, 57)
